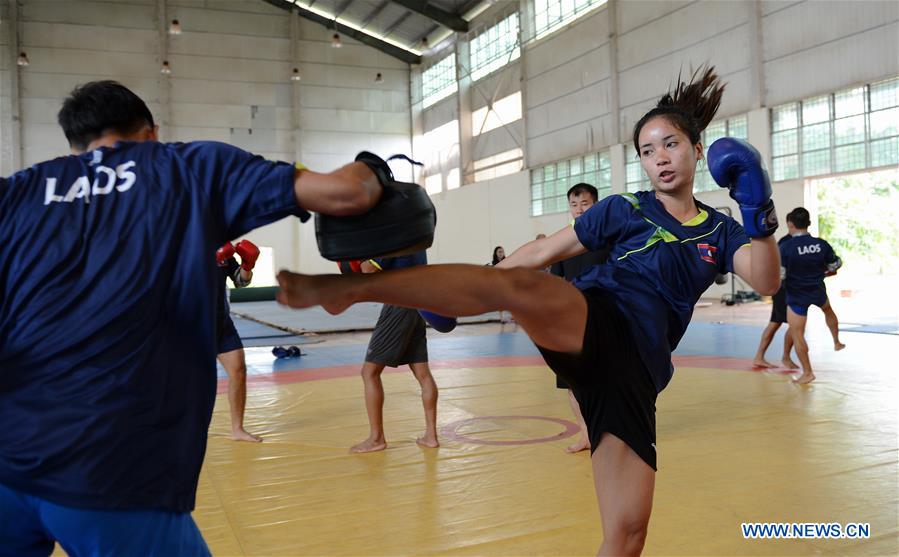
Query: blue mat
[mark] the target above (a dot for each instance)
(256, 334)
(879, 328)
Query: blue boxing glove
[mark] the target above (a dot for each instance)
(736, 165)
(439, 322)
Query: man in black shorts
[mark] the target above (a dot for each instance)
(399, 338)
(580, 198)
(778, 318)
(230, 348)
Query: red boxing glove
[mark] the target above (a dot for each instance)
(352, 266)
(224, 253)
(248, 253)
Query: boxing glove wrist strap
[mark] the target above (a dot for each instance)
(759, 222)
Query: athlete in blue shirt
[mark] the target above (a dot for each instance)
(610, 334)
(107, 312)
(806, 260)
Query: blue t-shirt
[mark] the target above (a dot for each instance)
(806, 259)
(108, 298)
(658, 268)
(401, 262)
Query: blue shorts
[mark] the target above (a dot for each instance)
(799, 302)
(30, 526)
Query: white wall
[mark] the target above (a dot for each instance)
(471, 221)
(230, 82)
(6, 148)
(343, 111)
(815, 47)
(567, 91)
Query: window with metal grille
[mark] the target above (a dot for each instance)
(849, 130)
(494, 48)
(550, 183)
(439, 81)
(549, 15)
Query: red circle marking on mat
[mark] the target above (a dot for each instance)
(451, 430)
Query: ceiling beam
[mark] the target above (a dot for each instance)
(374, 13)
(468, 6)
(364, 38)
(443, 17)
(342, 8)
(426, 34)
(392, 27)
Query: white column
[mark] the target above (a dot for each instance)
(619, 176)
(164, 118)
(756, 53)
(295, 106)
(463, 78)
(759, 129)
(295, 85)
(525, 31)
(614, 93)
(16, 151)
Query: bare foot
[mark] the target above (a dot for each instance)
(369, 446)
(838, 346)
(240, 434)
(582, 445)
(428, 441)
(804, 379)
(762, 362)
(331, 292)
(789, 364)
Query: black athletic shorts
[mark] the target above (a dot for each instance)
(228, 338)
(399, 338)
(613, 388)
(779, 306)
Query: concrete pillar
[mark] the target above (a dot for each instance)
(619, 175)
(164, 118)
(16, 150)
(463, 78)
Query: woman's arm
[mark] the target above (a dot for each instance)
(759, 265)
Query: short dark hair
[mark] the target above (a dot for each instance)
(800, 218)
(582, 188)
(99, 106)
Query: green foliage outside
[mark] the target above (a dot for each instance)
(859, 216)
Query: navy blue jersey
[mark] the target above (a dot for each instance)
(805, 259)
(401, 262)
(657, 268)
(108, 297)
